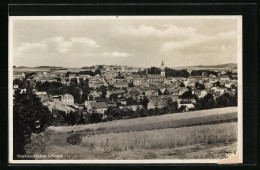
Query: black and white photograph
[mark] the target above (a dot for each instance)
(125, 89)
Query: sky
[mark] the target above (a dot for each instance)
(139, 42)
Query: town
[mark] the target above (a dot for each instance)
(107, 92)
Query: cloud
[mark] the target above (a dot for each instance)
(58, 44)
(202, 44)
(116, 54)
(53, 50)
(145, 31)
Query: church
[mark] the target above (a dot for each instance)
(157, 77)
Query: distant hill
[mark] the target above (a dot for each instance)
(219, 67)
(228, 65)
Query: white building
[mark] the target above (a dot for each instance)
(67, 99)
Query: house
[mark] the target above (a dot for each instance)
(57, 97)
(45, 97)
(155, 78)
(208, 85)
(95, 93)
(121, 101)
(133, 92)
(99, 107)
(121, 85)
(228, 85)
(131, 107)
(223, 73)
(187, 106)
(174, 79)
(96, 84)
(182, 90)
(174, 91)
(18, 76)
(197, 78)
(111, 104)
(234, 76)
(40, 92)
(129, 79)
(224, 79)
(67, 99)
(162, 90)
(57, 105)
(218, 90)
(168, 82)
(119, 93)
(156, 102)
(201, 93)
(137, 81)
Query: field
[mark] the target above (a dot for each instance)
(40, 70)
(207, 134)
(222, 67)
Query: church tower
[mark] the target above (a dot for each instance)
(162, 69)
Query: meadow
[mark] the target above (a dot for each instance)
(162, 138)
(175, 120)
(207, 134)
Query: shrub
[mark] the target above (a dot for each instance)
(95, 117)
(74, 139)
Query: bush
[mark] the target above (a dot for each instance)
(74, 139)
(58, 120)
(95, 117)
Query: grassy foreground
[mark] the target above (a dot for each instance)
(208, 134)
(201, 117)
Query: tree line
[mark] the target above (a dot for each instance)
(87, 72)
(169, 72)
(200, 72)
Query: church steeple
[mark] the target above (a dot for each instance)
(162, 69)
(162, 65)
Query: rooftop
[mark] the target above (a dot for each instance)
(99, 105)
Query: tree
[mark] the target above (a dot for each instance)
(143, 112)
(111, 87)
(200, 72)
(74, 81)
(81, 119)
(74, 91)
(130, 101)
(182, 85)
(217, 84)
(207, 102)
(103, 89)
(199, 86)
(166, 92)
(182, 108)
(187, 95)
(154, 70)
(29, 116)
(95, 117)
(173, 106)
(145, 102)
(176, 73)
(227, 100)
(113, 97)
(86, 81)
(97, 71)
(159, 92)
(84, 97)
(131, 84)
